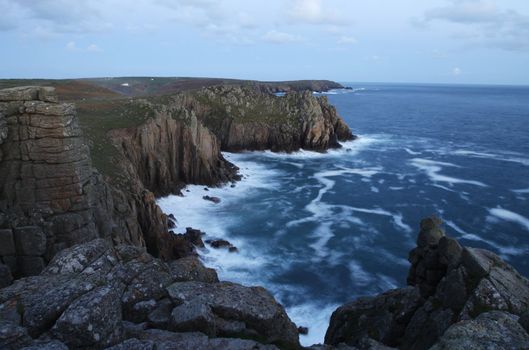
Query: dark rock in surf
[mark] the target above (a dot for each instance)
(303, 330)
(215, 200)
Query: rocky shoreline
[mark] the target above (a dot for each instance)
(89, 262)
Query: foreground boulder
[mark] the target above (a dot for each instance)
(95, 295)
(454, 293)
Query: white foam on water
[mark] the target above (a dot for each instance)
(318, 317)
(396, 188)
(522, 191)
(374, 189)
(413, 153)
(508, 215)
(349, 148)
(360, 276)
(433, 168)
(397, 219)
(495, 156)
(504, 251)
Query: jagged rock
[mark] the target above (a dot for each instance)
(457, 284)
(46, 345)
(219, 243)
(91, 320)
(383, 318)
(161, 339)
(219, 308)
(191, 269)
(7, 247)
(160, 316)
(491, 330)
(13, 336)
(212, 199)
(30, 241)
(5, 276)
(246, 118)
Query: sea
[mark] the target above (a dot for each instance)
(322, 229)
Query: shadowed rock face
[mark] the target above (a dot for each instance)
(95, 295)
(456, 294)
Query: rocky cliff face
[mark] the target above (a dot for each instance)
(50, 196)
(457, 298)
(245, 118)
(166, 153)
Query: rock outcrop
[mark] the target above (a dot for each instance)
(458, 297)
(245, 118)
(50, 197)
(96, 295)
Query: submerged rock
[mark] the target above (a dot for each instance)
(215, 200)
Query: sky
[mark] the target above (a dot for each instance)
(423, 41)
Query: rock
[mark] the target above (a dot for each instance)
(215, 200)
(219, 243)
(8, 244)
(91, 320)
(5, 276)
(303, 330)
(13, 336)
(233, 249)
(430, 233)
(160, 316)
(191, 269)
(46, 345)
(216, 308)
(477, 262)
(491, 330)
(133, 344)
(524, 321)
(30, 265)
(30, 241)
(194, 236)
(383, 318)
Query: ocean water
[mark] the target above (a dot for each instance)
(319, 230)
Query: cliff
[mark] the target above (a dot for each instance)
(245, 118)
(457, 298)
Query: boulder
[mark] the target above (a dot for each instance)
(212, 199)
(92, 320)
(8, 243)
(5, 276)
(491, 330)
(12, 336)
(230, 309)
(191, 269)
(30, 240)
(383, 318)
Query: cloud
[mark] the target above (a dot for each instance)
(314, 12)
(456, 71)
(347, 40)
(482, 23)
(72, 46)
(273, 36)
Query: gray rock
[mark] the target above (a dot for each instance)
(5, 276)
(46, 345)
(13, 336)
(382, 318)
(477, 262)
(191, 269)
(524, 321)
(449, 252)
(204, 303)
(430, 233)
(91, 320)
(30, 265)
(8, 244)
(30, 240)
(491, 330)
(161, 315)
(25, 93)
(97, 255)
(133, 344)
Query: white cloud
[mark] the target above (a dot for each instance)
(314, 12)
(347, 40)
(72, 46)
(273, 36)
(483, 23)
(456, 71)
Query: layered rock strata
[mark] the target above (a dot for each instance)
(50, 197)
(458, 297)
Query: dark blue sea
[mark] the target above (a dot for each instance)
(319, 230)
